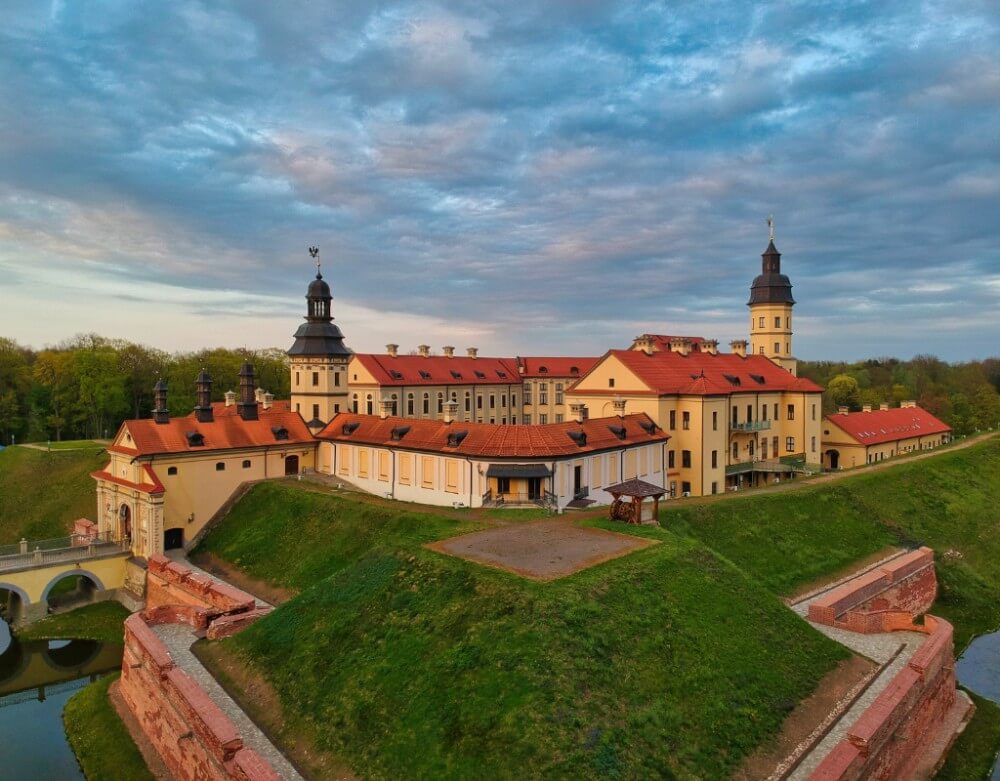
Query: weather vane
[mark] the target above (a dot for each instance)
(770, 226)
(314, 251)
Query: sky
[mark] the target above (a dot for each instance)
(527, 178)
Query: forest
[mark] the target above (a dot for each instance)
(85, 387)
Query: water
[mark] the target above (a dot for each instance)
(978, 669)
(36, 680)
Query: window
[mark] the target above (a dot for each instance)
(440, 403)
(513, 399)
(686, 488)
(427, 404)
(368, 404)
(336, 408)
(479, 402)
(715, 421)
(527, 393)
(673, 420)
(749, 413)
(513, 419)
(468, 401)
(246, 464)
(763, 412)
(761, 350)
(715, 488)
(686, 459)
(220, 466)
(814, 412)
(777, 322)
(543, 419)
(788, 323)
(686, 421)
(763, 448)
(543, 395)
(296, 378)
(559, 393)
(791, 412)
(788, 348)
(774, 446)
(789, 444)
(315, 379)
(559, 417)
(409, 403)
(670, 458)
(298, 407)
(527, 420)
(611, 382)
(777, 347)
(354, 403)
(760, 322)
(171, 470)
(736, 451)
(503, 485)
(812, 445)
(315, 411)
(750, 448)
(715, 459)
(735, 416)
(493, 401)
(775, 410)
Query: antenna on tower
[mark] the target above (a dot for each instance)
(314, 252)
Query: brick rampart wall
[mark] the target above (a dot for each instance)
(886, 741)
(195, 739)
(907, 584)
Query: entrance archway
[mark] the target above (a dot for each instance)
(76, 587)
(291, 465)
(173, 538)
(125, 522)
(834, 458)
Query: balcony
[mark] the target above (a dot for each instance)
(745, 467)
(751, 425)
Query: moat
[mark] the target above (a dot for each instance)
(978, 670)
(36, 680)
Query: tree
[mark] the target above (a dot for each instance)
(843, 390)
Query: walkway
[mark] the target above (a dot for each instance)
(880, 648)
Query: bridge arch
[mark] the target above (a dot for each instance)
(96, 581)
(17, 602)
(71, 655)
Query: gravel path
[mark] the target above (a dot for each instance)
(178, 639)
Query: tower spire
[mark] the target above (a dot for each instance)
(770, 227)
(314, 252)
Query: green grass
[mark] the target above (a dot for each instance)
(666, 663)
(101, 621)
(789, 539)
(41, 494)
(74, 444)
(102, 744)
(975, 751)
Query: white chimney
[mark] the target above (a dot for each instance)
(230, 398)
(883, 406)
(739, 347)
(385, 408)
(448, 350)
(619, 407)
(680, 345)
(842, 410)
(424, 349)
(392, 349)
(268, 400)
(579, 412)
(258, 395)
(472, 352)
(450, 411)
(866, 407)
(908, 403)
(643, 343)
(710, 346)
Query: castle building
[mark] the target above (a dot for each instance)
(318, 359)
(771, 305)
(544, 384)
(855, 438)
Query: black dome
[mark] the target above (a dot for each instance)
(771, 286)
(318, 288)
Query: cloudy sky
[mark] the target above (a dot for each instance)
(529, 177)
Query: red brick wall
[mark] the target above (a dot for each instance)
(195, 739)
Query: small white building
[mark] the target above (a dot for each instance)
(452, 463)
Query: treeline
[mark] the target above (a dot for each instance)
(966, 396)
(85, 387)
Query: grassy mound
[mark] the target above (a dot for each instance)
(405, 663)
(101, 621)
(41, 494)
(948, 502)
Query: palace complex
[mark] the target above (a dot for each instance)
(673, 412)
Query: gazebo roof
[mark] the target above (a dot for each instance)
(635, 488)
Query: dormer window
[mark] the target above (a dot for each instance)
(618, 431)
(399, 432)
(396, 375)
(455, 438)
(425, 375)
(195, 439)
(580, 437)
(349, 428)
(648, 426)
(501, 375)
(543, 369)
(758, 378)
(456, 375)
(280, 432)
(480, 375)
(574, 370)
(733, 379)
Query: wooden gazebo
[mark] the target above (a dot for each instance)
(628, 505)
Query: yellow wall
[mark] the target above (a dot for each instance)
(330, 393)
(553, 391)
(852, 453)
(770, 327)
(109, 571)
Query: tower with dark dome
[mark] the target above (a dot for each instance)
(318, 358)
(771, 305)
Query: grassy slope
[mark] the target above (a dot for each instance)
(102, 745)
(41, 494)
(949, 503)
(975, 751)
(403, 662)
(101, 621)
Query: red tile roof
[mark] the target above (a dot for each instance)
(439, 370)
(227, 431)
(278, 405)
(491, 440)
(152, 484)
(889, 425)
(561, 366)
(704, 374)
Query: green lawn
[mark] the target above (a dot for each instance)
(101, 621)
(102, 745)
(405, 663)
(41, 494)
(975, 751)
(75, 444)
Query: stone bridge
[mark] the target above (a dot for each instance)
(29, 571)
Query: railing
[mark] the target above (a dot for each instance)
(582, 492)
(757, 466)
(70, 548)
(751, 425)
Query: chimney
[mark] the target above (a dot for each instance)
(449, 351)
(619, 407)
(230, 398)
(908, 403)
(643, 343)
(247, 405)
(739, 347)
(160, 412)
(258, 395)
(385, 408)
(268, 400)
(866, 407)
(842, 410)
(710, 346)
(203, 393)
(579, 412)
(392, 349)
(472, 352)
(424, 350)
(450, 411)
(883, 406)
(680, 345)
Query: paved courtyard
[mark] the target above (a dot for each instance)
(542, 550)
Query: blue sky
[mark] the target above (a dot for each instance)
(530, 177)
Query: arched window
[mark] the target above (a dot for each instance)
(427, 403)
(440, 403)
(395, 404)
(220, 466)
(409, 403)
(368, 404)
(354, 404)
